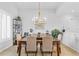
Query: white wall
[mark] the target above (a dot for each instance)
(52, 20)
(70, 17)
(70, 37)
(10, 9)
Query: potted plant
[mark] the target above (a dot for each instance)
(55, 33)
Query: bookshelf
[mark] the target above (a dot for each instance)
(17, 28)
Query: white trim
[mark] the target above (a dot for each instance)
(7, 43)
(70, 47)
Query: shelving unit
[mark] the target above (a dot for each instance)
(17, 28)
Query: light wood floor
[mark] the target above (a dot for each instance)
(65, 52)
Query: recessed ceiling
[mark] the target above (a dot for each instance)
(23, 6)
(34, 5)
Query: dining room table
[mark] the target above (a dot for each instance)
(23, 41)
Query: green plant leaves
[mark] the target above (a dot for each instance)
(55, 33)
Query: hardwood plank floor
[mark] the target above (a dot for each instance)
(65, 51)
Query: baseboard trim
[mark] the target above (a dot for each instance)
(6, 45)
(5, 48)
(70, 48)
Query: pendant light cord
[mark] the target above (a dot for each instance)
(39, 10)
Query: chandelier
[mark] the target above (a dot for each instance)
(39, 21)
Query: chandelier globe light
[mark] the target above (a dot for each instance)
(39, 21)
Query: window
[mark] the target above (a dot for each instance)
(8, 27)
(5, 26)
(0, 26)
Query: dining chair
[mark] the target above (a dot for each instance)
(20, 43)
(60, 39)
(31, 45)
(47, 46)
(18, 38)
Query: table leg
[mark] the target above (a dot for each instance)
(25, 47)
(19, 49)
(58, 49)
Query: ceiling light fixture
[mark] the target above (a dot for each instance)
(39, 21)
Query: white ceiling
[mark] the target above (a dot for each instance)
(69, 8)
(57, 7)
(54, 7)
(34, 5)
